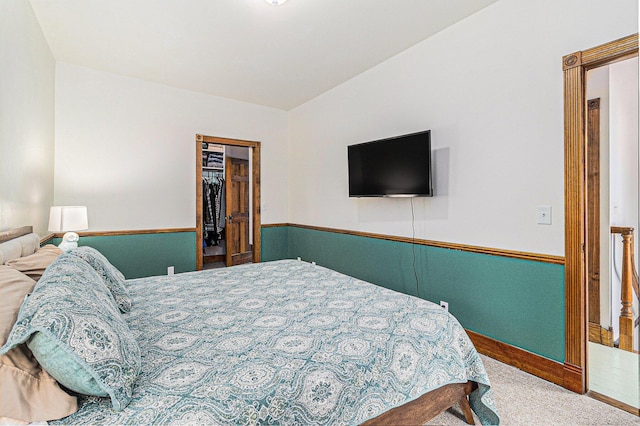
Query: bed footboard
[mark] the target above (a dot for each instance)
(429, 405)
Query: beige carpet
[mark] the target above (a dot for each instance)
(523, 399)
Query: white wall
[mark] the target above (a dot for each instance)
(624, 143)
(624, 176)
(490, 89)
(27, 74)
(126, 148)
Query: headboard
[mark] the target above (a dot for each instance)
(18, 242)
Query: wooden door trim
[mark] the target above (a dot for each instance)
(255, 180)
(575, 67)
(228, 236)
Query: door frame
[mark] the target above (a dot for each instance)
(255, 181)
(575, 67)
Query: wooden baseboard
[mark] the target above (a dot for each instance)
(240, 258)
(598, 334)
(594, 333)
(614, 402)
(213, 258)
(529, 362)
(574, 378)
(566, 375)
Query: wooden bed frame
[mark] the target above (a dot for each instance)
(429, 405)
(15, 233)
(416, 412)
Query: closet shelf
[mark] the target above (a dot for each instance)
(213, 148)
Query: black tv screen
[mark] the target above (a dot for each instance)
(393, 167)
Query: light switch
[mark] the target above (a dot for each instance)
(543, 215)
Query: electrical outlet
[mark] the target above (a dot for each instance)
(444, 305)
(170, 270)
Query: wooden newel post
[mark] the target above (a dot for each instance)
(626, 313)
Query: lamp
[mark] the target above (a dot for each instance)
(68, 219)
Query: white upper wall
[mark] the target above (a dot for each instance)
(490, 88)
(624, 185)
(27, 73)
(623, 135)
(125, 148)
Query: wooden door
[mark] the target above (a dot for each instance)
(237, 211)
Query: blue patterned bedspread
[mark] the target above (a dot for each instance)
(285, 343)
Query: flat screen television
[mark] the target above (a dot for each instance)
(394, 167)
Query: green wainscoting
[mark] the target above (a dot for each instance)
(142, 255)
(274, 243)
(515, 301)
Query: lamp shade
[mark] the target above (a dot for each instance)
(68, 218)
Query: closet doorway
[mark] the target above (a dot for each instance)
(227, 201)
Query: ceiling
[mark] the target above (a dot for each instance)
(247, 50)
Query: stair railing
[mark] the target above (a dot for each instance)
(629, 286)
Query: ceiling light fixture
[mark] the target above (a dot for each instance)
(276, 2)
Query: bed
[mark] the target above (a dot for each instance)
(284, 342)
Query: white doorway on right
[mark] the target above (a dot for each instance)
(613, 193)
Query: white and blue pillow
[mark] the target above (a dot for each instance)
(77, 333)
(109, 273)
